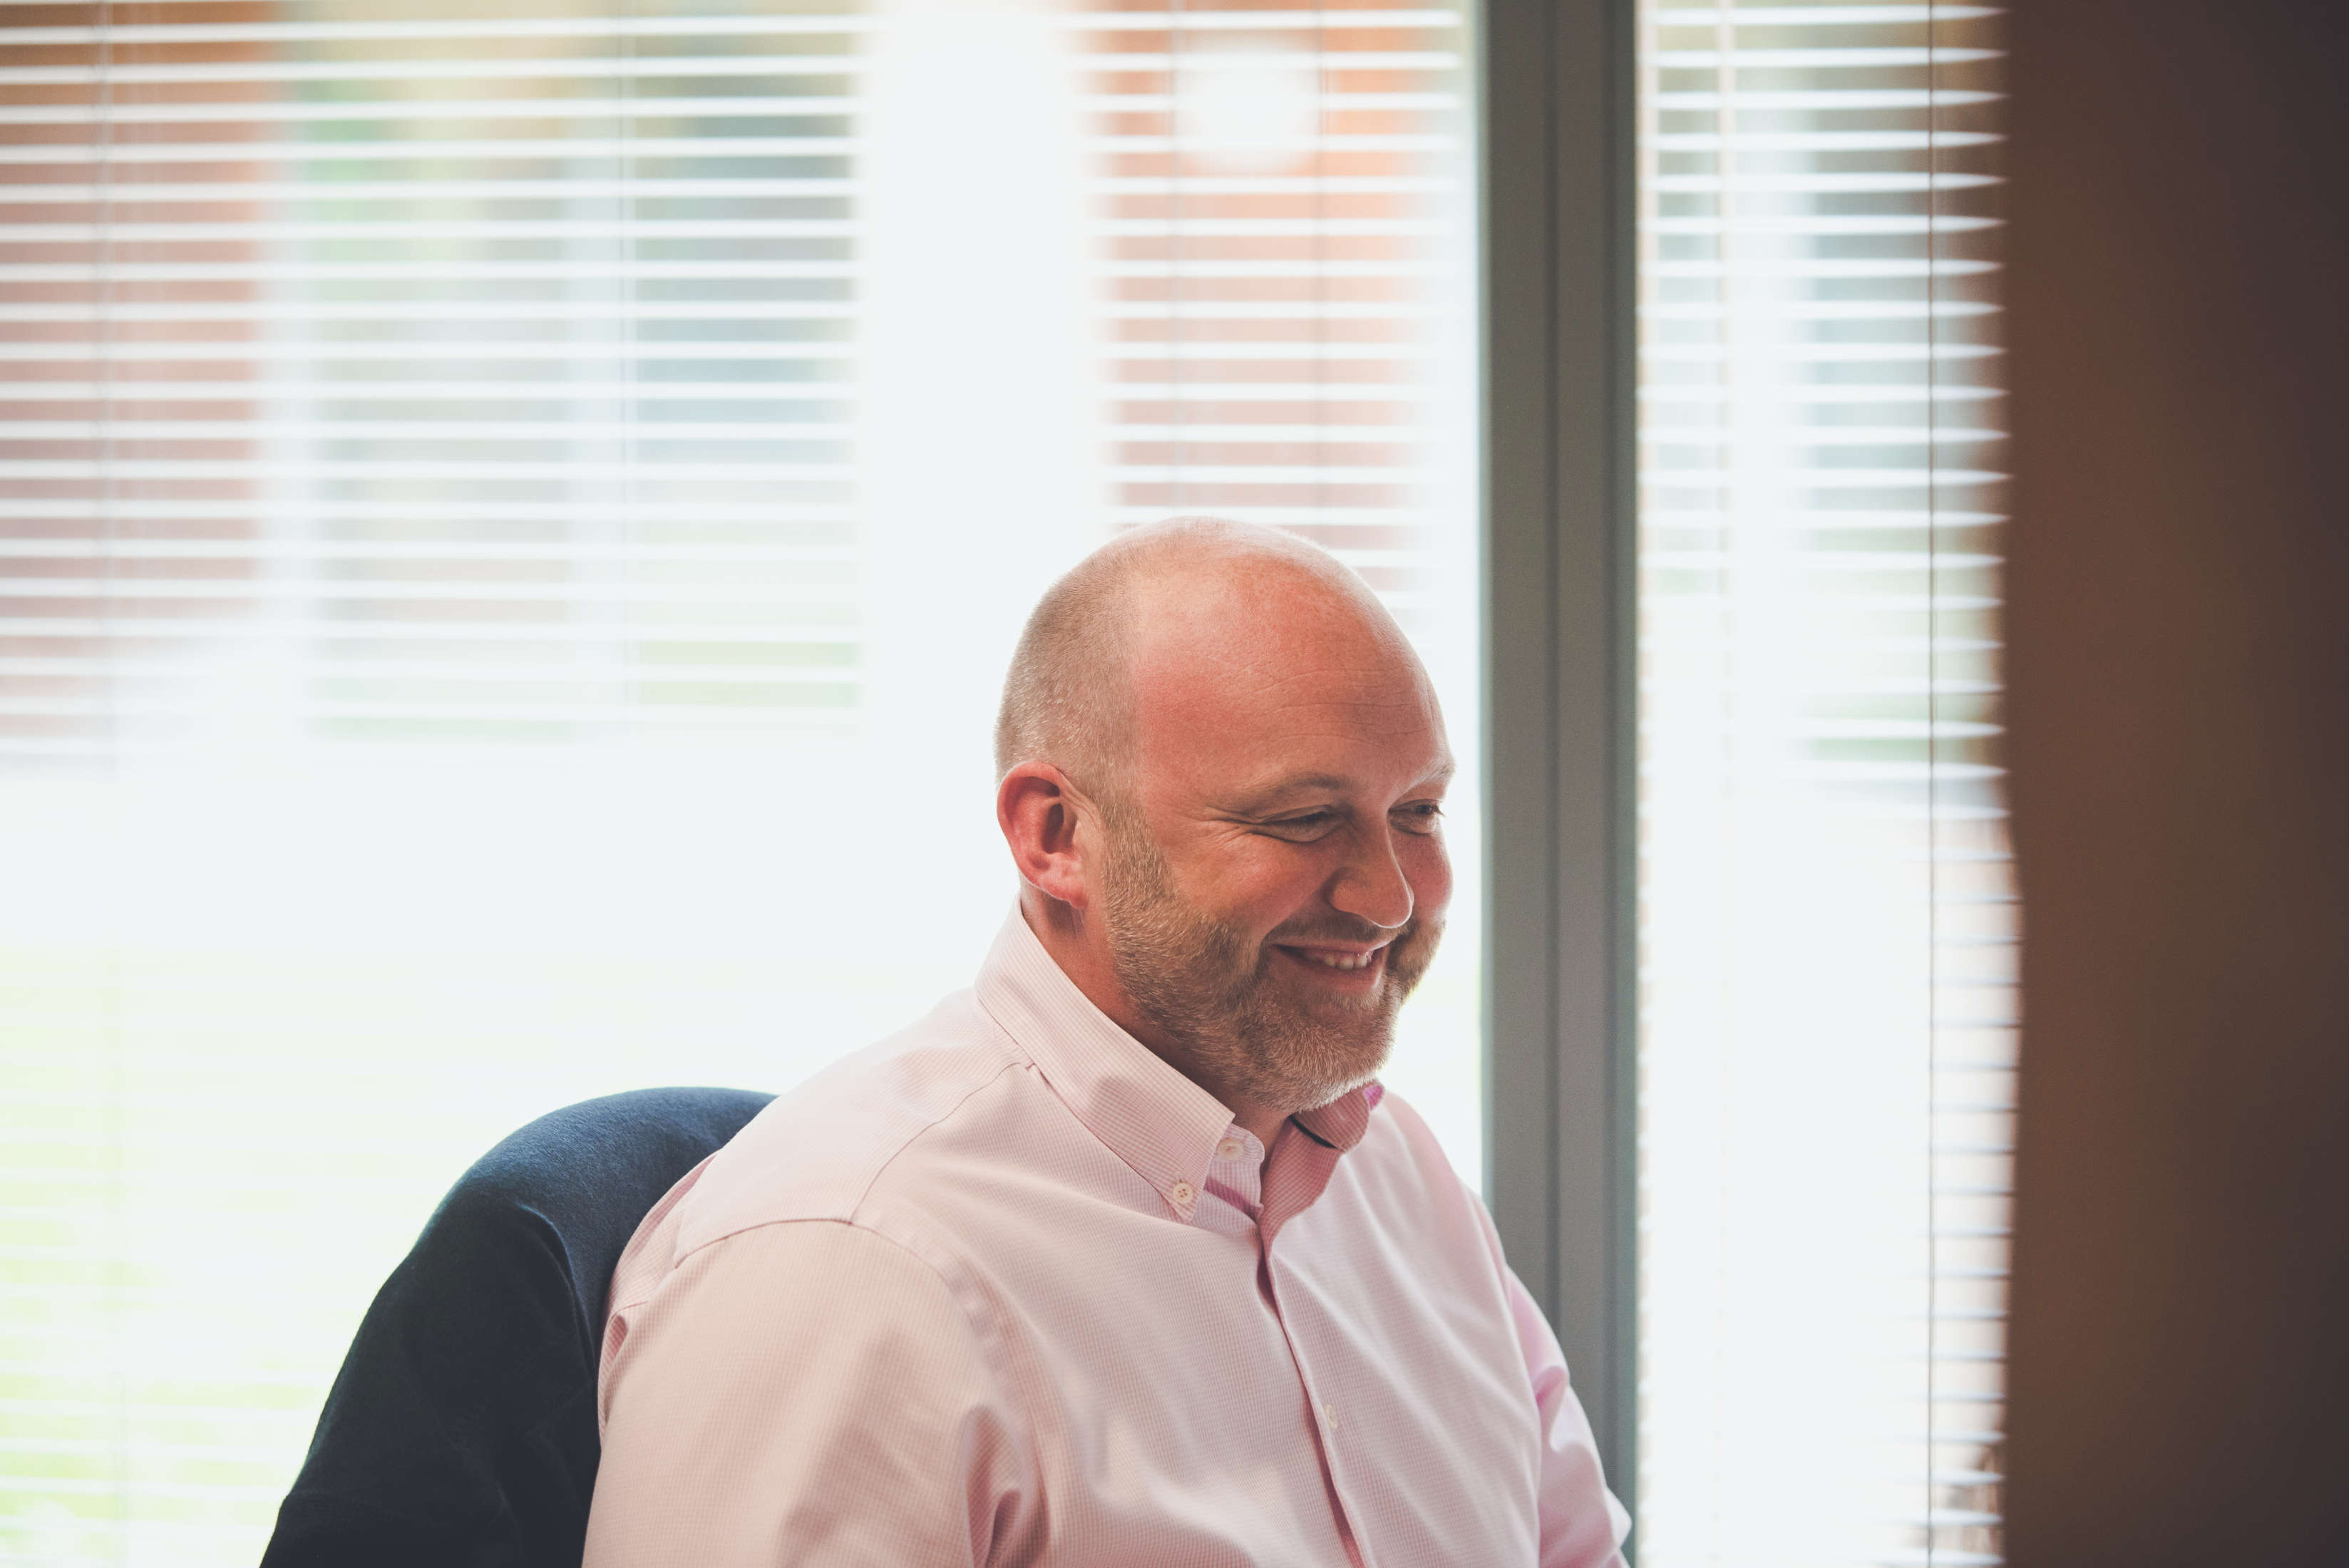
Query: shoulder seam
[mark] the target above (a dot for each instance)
(919, 1133)
(849, 1210)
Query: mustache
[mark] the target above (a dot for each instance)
(1345, 929)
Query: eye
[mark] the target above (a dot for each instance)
(1419, 817)
(1301, 828)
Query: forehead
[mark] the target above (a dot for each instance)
(1244, 683)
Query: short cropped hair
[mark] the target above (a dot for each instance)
(1065, 696)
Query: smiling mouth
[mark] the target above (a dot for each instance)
(1337, 960)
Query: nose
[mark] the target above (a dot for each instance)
(1372, 885)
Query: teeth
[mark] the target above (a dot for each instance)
(1340, 960)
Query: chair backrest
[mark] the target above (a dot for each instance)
(462, 1429)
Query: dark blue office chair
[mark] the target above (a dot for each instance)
(462, 1429)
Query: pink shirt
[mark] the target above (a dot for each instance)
(1006, 1288)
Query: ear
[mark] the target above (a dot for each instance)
(1038, 810)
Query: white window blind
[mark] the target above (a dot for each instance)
(511, 516)
(1827, 914)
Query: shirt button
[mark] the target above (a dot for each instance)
(1329, 1415)
(1230, 1149)
(1182, 1192)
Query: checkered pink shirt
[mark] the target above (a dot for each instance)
(1009, 1289)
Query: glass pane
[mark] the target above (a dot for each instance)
(514, 517)
(1827, 913)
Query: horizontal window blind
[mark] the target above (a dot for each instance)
(511, 517)
(1827, 911)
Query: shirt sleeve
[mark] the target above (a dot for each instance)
(805, 1393)
(1582, 1525)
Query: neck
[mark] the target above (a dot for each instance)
(1078, 944)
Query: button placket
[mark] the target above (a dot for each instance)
(1323, 1412)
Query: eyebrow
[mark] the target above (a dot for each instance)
(1298, 784)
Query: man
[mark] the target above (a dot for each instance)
(1123, 1257)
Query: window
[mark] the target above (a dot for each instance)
(514, 511)
(508, 512)
(1827, 919)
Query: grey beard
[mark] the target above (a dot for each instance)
(1203, 984)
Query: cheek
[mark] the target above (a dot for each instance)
(1256, 884)
(1292, 888)
(1285, 887)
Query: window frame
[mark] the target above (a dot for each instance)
(1558, 220)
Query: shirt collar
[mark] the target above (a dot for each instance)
(1341, 1124)
(1148, 1114)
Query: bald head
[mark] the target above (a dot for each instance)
(1068, 698)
